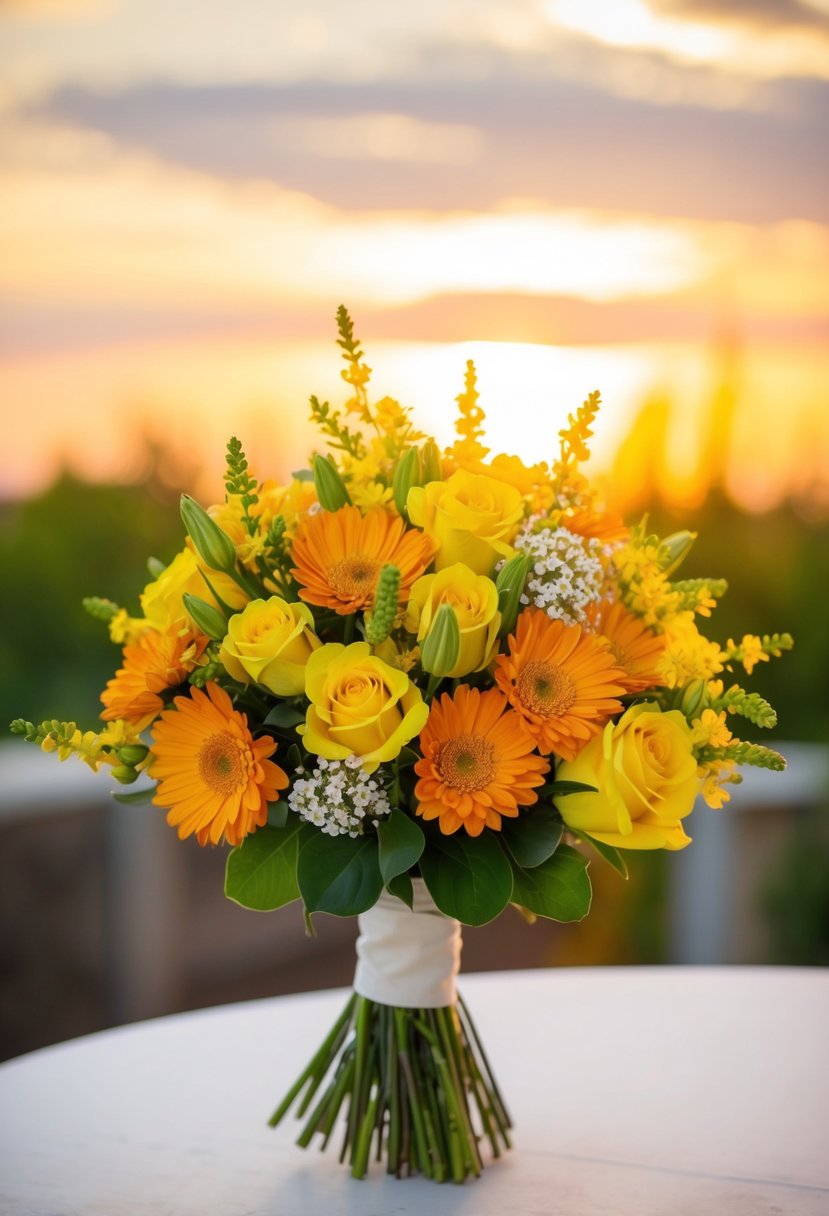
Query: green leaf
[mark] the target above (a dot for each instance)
(558, 789)
(607, 852)
(534, 836)
(407, 757)
(285, 716)
(559, 888)
(278, 813)
(468, 877)
(401, 886)
(261, 871)
(136, 797)
(401, 842)
(338, 874)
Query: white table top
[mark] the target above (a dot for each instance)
(650, 1091)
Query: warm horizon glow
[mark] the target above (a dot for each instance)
(191, 399)
(626, 196)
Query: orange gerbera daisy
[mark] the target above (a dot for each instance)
(606, 526)
(637, 649)
(214, 777)
(479, 762)
(563, 681)
(155, 662)
(338, 556)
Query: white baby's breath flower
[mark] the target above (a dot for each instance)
(339, 797)
(566, 574)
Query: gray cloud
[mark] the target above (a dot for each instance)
(564, 142)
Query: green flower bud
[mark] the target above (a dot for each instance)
(431, 468)
(213, 546)
(406, 475)
(379, 624)
(125, 775)
(101, 609)
(510, 587)
(329, 484)
(694, 699)
(205, 617)
(674, 549)
(440, 651)
(132, 753)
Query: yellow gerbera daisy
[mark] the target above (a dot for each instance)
(479, 762)
(636, 649)
(158, 660)
(214, 777)
(338, 556)
(563, 682)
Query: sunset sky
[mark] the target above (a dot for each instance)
(624, 194)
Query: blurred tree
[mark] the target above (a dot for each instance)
(777, 567)
(72, 541)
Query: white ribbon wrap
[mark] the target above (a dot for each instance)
(408, 958)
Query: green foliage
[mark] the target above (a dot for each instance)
(558, 889)
(401, 842)
(240, 482)
(59, 732)
(467, 878)
(340, 437)
(778, 568)
(329, 485)
(749, 705)
(338, 874)
(609, 854)
(408, 472)
(208, 619)
(350, 345)
(261, 871)
(401, 887)
(54, 550)
(754, 754)
(212, 543)
(534, 836)
(510, 587)
(690, 589)
(136, 797)
(100, 609)
(381, 619)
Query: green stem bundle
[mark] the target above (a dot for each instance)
(414, 1084)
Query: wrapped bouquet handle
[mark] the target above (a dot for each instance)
(408, 957)
(404, 1059)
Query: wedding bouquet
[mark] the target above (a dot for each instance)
(418, 686)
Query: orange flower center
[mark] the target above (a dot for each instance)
(546, 689)
(466, 762)
(354, 576)
(221, 763)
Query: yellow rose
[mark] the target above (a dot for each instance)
(472, 517)
(647, 780)
(270, 642)
(161, 600)
(359, 706)
(475, 600)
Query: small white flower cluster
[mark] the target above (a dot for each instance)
(338, 797)
(566, 575)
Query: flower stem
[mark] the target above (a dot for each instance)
(419, 1092)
